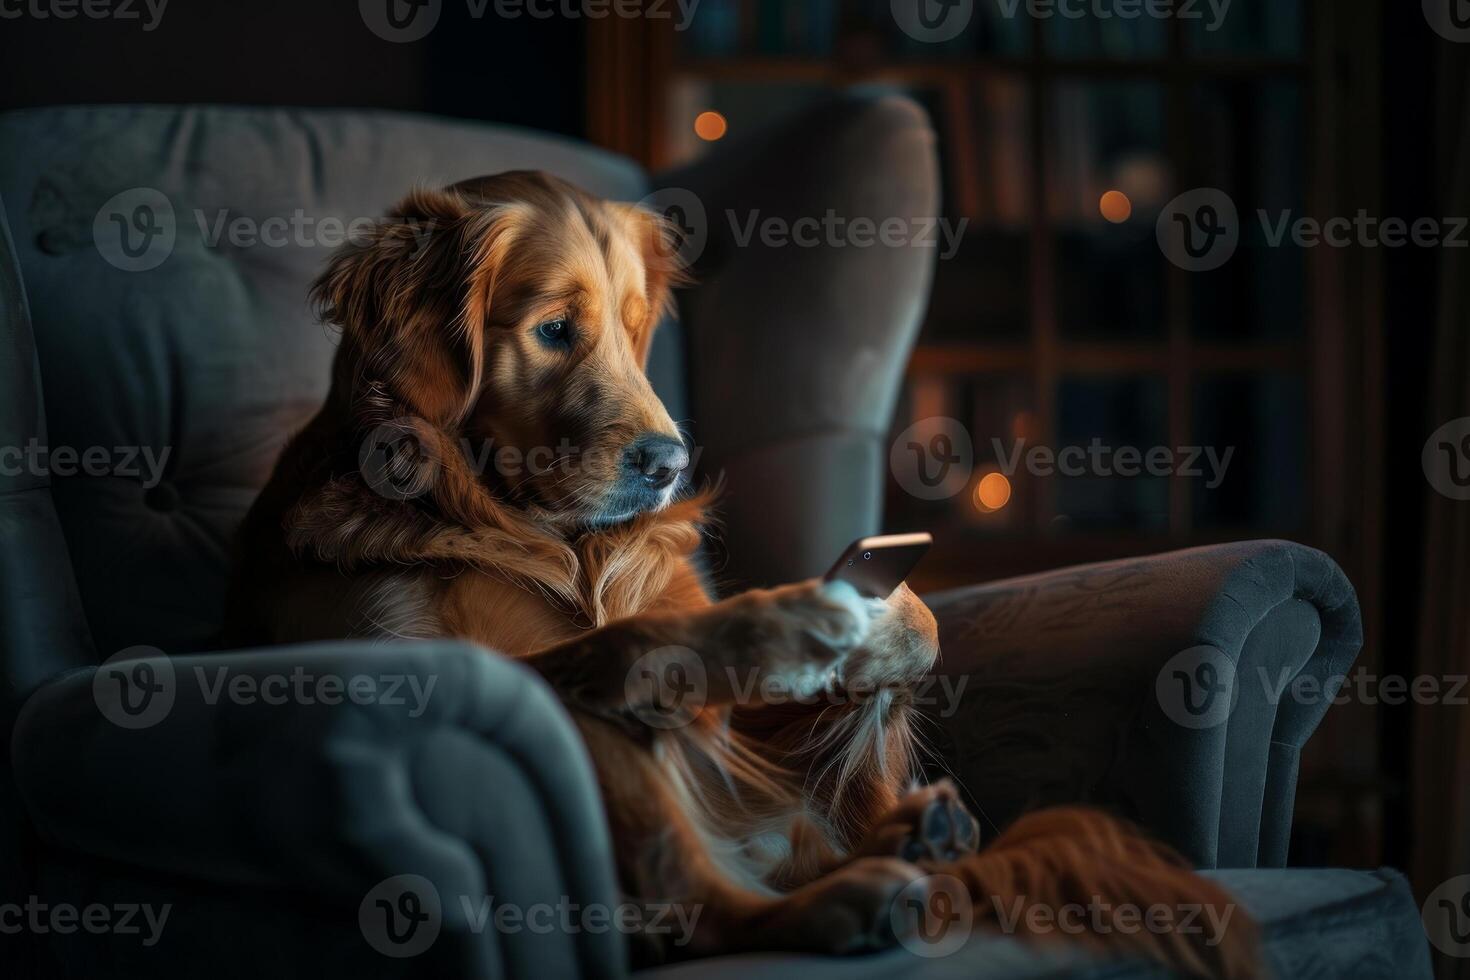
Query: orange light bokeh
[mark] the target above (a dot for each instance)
(1115, 207)
(992, 492)
(710, 125)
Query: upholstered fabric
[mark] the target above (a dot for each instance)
(1062, 702)
(1316, 925)
(463, 769)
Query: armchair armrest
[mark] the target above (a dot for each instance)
(435, 759)
(1159, 686)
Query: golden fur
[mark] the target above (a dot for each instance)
(784, 821)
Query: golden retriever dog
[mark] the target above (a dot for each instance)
(522, 322)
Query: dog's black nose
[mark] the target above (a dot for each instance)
(657, 459)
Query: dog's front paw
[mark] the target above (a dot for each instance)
(831, 616)
(797, 636)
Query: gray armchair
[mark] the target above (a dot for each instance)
(268, 829)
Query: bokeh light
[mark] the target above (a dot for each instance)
(1115, 207)
(992, 492)
(710, 125)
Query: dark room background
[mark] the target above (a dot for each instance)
(1058, 319)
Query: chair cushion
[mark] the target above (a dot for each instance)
(1315, 923)
(212, 354)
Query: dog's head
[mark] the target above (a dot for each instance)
(510, 319)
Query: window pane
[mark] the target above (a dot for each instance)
(1249, 27)
(1118, 413)
(1260, 420)
(1247, 141)
(1108, 139)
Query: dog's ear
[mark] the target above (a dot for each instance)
(411, 297)
(664, 269)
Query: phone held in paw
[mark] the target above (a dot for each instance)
(877, 565)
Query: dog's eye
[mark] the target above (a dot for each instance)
(555, 333)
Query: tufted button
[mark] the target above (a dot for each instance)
(162, 498)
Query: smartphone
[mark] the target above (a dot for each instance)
(876, 566)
